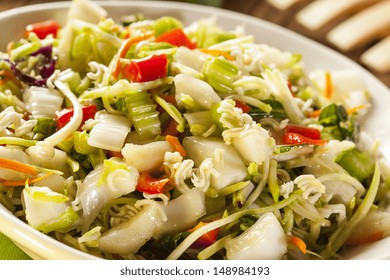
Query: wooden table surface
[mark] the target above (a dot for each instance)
(257, 8)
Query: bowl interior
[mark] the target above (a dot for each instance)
(314, 55)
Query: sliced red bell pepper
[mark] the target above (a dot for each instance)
(297, 242)
(44, 28)
(124, 49)
(176, 37)
(149, 184)
(206, 239)
(292, 138)
(309, 132)
(244, 107)
(65, 115)
(147, 69)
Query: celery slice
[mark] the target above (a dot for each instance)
(97, 158)
(220, 74)
(81, 143)
(142, 112)
(358, 164)
(66, 145)
(165, 24)
(155, 48)
(208, 34)
(172, 111)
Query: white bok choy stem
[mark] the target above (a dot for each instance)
(265, 240)
(44, 151)
(281, 92)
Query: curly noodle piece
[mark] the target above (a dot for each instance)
(10, 118)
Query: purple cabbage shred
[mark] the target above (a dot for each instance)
(45, 67)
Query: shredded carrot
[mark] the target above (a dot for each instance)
(298, 242)
(17, 183)
(313, 114)
(176, 145)
(217, 53)
(18, 166)
(124, 49)
(127, 34)
(350, 111)
(328, 85)
(6, 76)
(6, 73)
(198, 226)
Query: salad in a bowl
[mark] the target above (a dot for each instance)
(151, 139)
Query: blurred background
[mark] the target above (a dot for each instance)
(359, 29)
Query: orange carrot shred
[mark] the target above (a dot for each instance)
(350, 111)
(17, 183)
(217, 53)
(18, 166)
(328, 85)
(313, 114)
(6, 76)
(298, 242)
(176, 145)
(124, 49)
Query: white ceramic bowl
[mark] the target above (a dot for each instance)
(40, 246)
